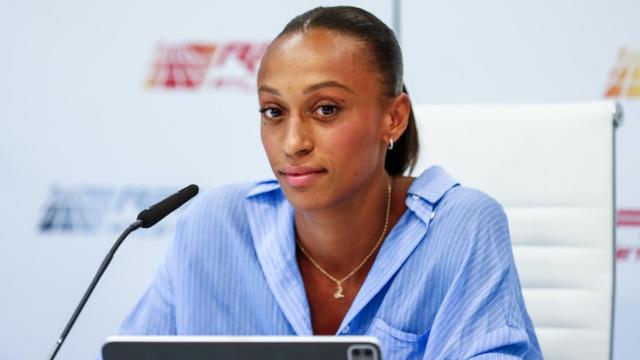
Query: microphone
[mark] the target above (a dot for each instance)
(154, 213)
(146, 219)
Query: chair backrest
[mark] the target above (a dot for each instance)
(552, 168)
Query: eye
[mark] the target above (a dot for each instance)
(271, 112)
(326, 110)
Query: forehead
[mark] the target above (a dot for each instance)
(318, 55)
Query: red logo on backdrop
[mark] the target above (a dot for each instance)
(230, 65)
(624, 77)
(180, 66)
(628, 217)
(628, 220)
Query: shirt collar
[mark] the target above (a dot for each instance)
(432, 184)
(264, 187)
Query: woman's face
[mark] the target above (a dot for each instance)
(324, 120)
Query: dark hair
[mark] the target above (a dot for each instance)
(386, 56)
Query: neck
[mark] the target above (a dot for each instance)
(341, 236)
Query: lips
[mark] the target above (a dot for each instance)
(301, 176)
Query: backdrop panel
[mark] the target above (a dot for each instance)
(501, 51)
(106, 107)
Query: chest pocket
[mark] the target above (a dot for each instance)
(398, 344)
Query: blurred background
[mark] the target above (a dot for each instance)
(107, 107)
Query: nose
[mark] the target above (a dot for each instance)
(298, 137)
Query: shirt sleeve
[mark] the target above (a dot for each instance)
(483, 315)
(154, 314)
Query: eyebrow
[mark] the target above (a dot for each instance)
(268, 89)
(324, 84)
(312, 88)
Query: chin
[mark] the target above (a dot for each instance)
(306, 199)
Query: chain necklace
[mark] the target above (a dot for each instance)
(338, 294)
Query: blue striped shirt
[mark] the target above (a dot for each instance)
(443, 285)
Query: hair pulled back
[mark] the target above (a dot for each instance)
(386, 57)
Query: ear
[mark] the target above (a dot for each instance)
(397, 118)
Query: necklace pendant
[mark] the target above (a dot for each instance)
(338, 294)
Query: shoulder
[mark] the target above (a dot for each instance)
(452, 201)
(470, 206)
(223, 206)
(221, 199)
(470, 230)
(473, 225)
(460, 216)
(216, 225)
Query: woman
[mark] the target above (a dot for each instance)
(341, 242)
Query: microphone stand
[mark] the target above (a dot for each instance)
(107, 259)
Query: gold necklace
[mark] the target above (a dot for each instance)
(338, 294)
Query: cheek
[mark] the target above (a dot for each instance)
(269, 142)
(356, 145)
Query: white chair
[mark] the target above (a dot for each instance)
(552, 168)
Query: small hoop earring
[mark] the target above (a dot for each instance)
(390, 146)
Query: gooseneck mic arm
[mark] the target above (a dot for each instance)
(146, 219)
(107, 259)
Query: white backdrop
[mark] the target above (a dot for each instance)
(90, 134)
(80, 127)
(501, 51)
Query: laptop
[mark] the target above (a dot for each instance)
(241, 347)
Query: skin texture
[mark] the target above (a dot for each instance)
(325, 126)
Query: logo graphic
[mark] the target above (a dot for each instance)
(628, 247)
(94, 210)
(628, 217)
(181, 65)
(627, 253)
(231, 65)
(74, 210)
(624, 77)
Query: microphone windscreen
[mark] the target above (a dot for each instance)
(151, 215)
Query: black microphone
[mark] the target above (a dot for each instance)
(154, 213)
(146, 219)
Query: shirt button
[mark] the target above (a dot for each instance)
(345, 330)
(415, 197)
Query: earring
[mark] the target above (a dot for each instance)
(390, 146)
